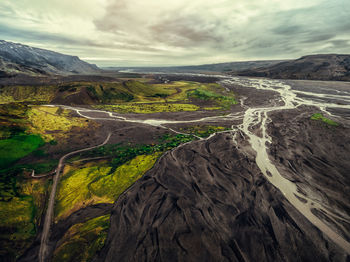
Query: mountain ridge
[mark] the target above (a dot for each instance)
(309, 67)
(16, 58)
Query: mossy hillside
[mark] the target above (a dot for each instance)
(168, 98)
(126, 91)
(98, 184)
(135, 91)
(19, 216)
(53, 123)
(39, 94)
(82, 241)
(320, 117)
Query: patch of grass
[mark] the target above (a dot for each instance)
(203, 130)
(124, 176)
(320, 117)
(224, 101)
(11, 178)
(148, 108)
(52, 122)
(122, 154)
(99, 184)
(82, 241)
(19, 217)
(16, 147)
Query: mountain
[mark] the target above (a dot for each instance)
(221, 67)
(311, 67)
(22, 59)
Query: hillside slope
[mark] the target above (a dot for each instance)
(22, 59)
(312, 67)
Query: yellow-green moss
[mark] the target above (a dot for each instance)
(148, 108)
(27, 93)
(203, 130)
(19, 218)
(96, 184)
(83, 240)
(51, 122)
(320, 117)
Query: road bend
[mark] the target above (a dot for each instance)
(43, 252)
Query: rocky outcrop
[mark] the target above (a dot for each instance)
(22, 59)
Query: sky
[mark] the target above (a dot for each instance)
(178, 32)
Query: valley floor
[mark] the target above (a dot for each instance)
(239, 170)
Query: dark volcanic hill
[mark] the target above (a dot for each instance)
(22, 59)
(312, 67)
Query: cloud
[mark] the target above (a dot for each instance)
(155, 32)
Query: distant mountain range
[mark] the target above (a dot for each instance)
(311, 67)
(18, 60)
(22, 59)
(207, 68)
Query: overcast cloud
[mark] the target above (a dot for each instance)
(181, 32)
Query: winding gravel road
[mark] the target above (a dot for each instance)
(43, 252)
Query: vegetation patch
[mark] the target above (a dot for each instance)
(53, 122)
(320, 117)
(99, 184)
(19, 217)
(121, 154)
(148, 108)
(224, 101)
(17, 147)
(82, 241)
(13, 119)
(32, 94)
(103, 183)
(203, 130)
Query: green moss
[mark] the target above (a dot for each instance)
(99, 184)
(17, 147)
(225, 101)
(52, 123)
(203, 130)
(112, 185)
(13, 119)
(122, 154)
(320, 117)
(19, 216)
(39, 94)
(148, 108)
(82, 241)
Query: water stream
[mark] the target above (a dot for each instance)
(259, 116)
